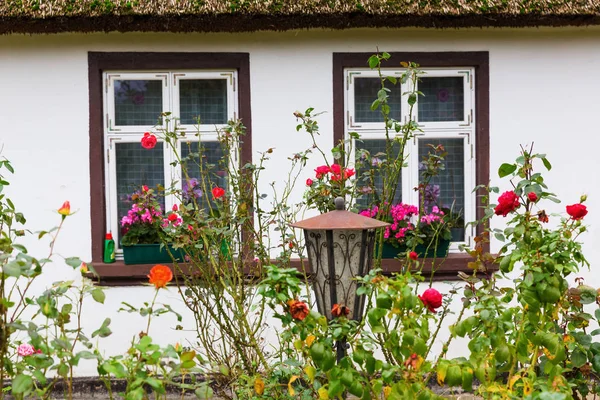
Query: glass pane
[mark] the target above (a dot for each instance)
(213, 163)
(442, 100)
(447, 190)
(370, 188)
(137, 166)
(365, 93)
(203, 98)
(138, 102)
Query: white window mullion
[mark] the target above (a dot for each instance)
(112, 217)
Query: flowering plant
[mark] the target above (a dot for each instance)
(143, 223)
(330, 181)
(410, 226)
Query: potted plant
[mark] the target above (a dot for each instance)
(427, 233)
(142, 228)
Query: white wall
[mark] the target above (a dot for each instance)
(544, 88)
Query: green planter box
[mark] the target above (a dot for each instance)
(150, 254)
(389, 251)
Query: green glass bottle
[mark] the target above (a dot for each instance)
(109, 249)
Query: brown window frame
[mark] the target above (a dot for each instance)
(479, 60)
(117, 273)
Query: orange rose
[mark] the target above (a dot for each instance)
(298, 309)
(160, 275)
(339, 310)
(65, 210)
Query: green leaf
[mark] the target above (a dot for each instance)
(596, 363)
(104, 330)
(578, 358)
(22, 384)
(74, 262)
(546, 163)
(597, 314)
(373, 62)
(98, 295)
(412, 99)
(204, 392)
(506, 169)
(335, 388)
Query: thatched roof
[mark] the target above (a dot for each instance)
(50, 16)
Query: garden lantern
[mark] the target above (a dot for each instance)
(340, 247)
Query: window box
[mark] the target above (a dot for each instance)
(389, 251)
(150, 254)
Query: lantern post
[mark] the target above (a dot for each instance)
(339, 247)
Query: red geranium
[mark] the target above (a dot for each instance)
(218, 192)
(507, 203)
(148, 141)
(298, 309)
(577, 211)
(431, 299)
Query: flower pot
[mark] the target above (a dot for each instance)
(390, 251)
(150, 254)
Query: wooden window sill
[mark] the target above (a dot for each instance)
(119, 274)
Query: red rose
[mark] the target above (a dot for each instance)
(507, 203)
(413, 255)
(172, 217)
(218, 192)
(309, 182)
(577, 211)
(431, 299)
(148, 141)
(298, 309)
(532, 197)
(338, 310)
(174, 208)
(349, 172)
(336, 169)
(144, 188)
(322, 171)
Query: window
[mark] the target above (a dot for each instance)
(128, 92)
(445, 115)
(454, 113)
(199, 101)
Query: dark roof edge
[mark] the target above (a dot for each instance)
(273, 22)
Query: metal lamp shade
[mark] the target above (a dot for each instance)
(336, 258)
(340, 248)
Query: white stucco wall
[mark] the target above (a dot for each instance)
(544, 87)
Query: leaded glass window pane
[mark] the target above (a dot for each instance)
(370, 188)
(203, 99)
(138, 102)
(442, 99)
(365, 93)
(137, 166)
(447, 190)
(213, 162)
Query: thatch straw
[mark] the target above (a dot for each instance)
(250, 15)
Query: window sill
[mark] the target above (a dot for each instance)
(119, 274)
